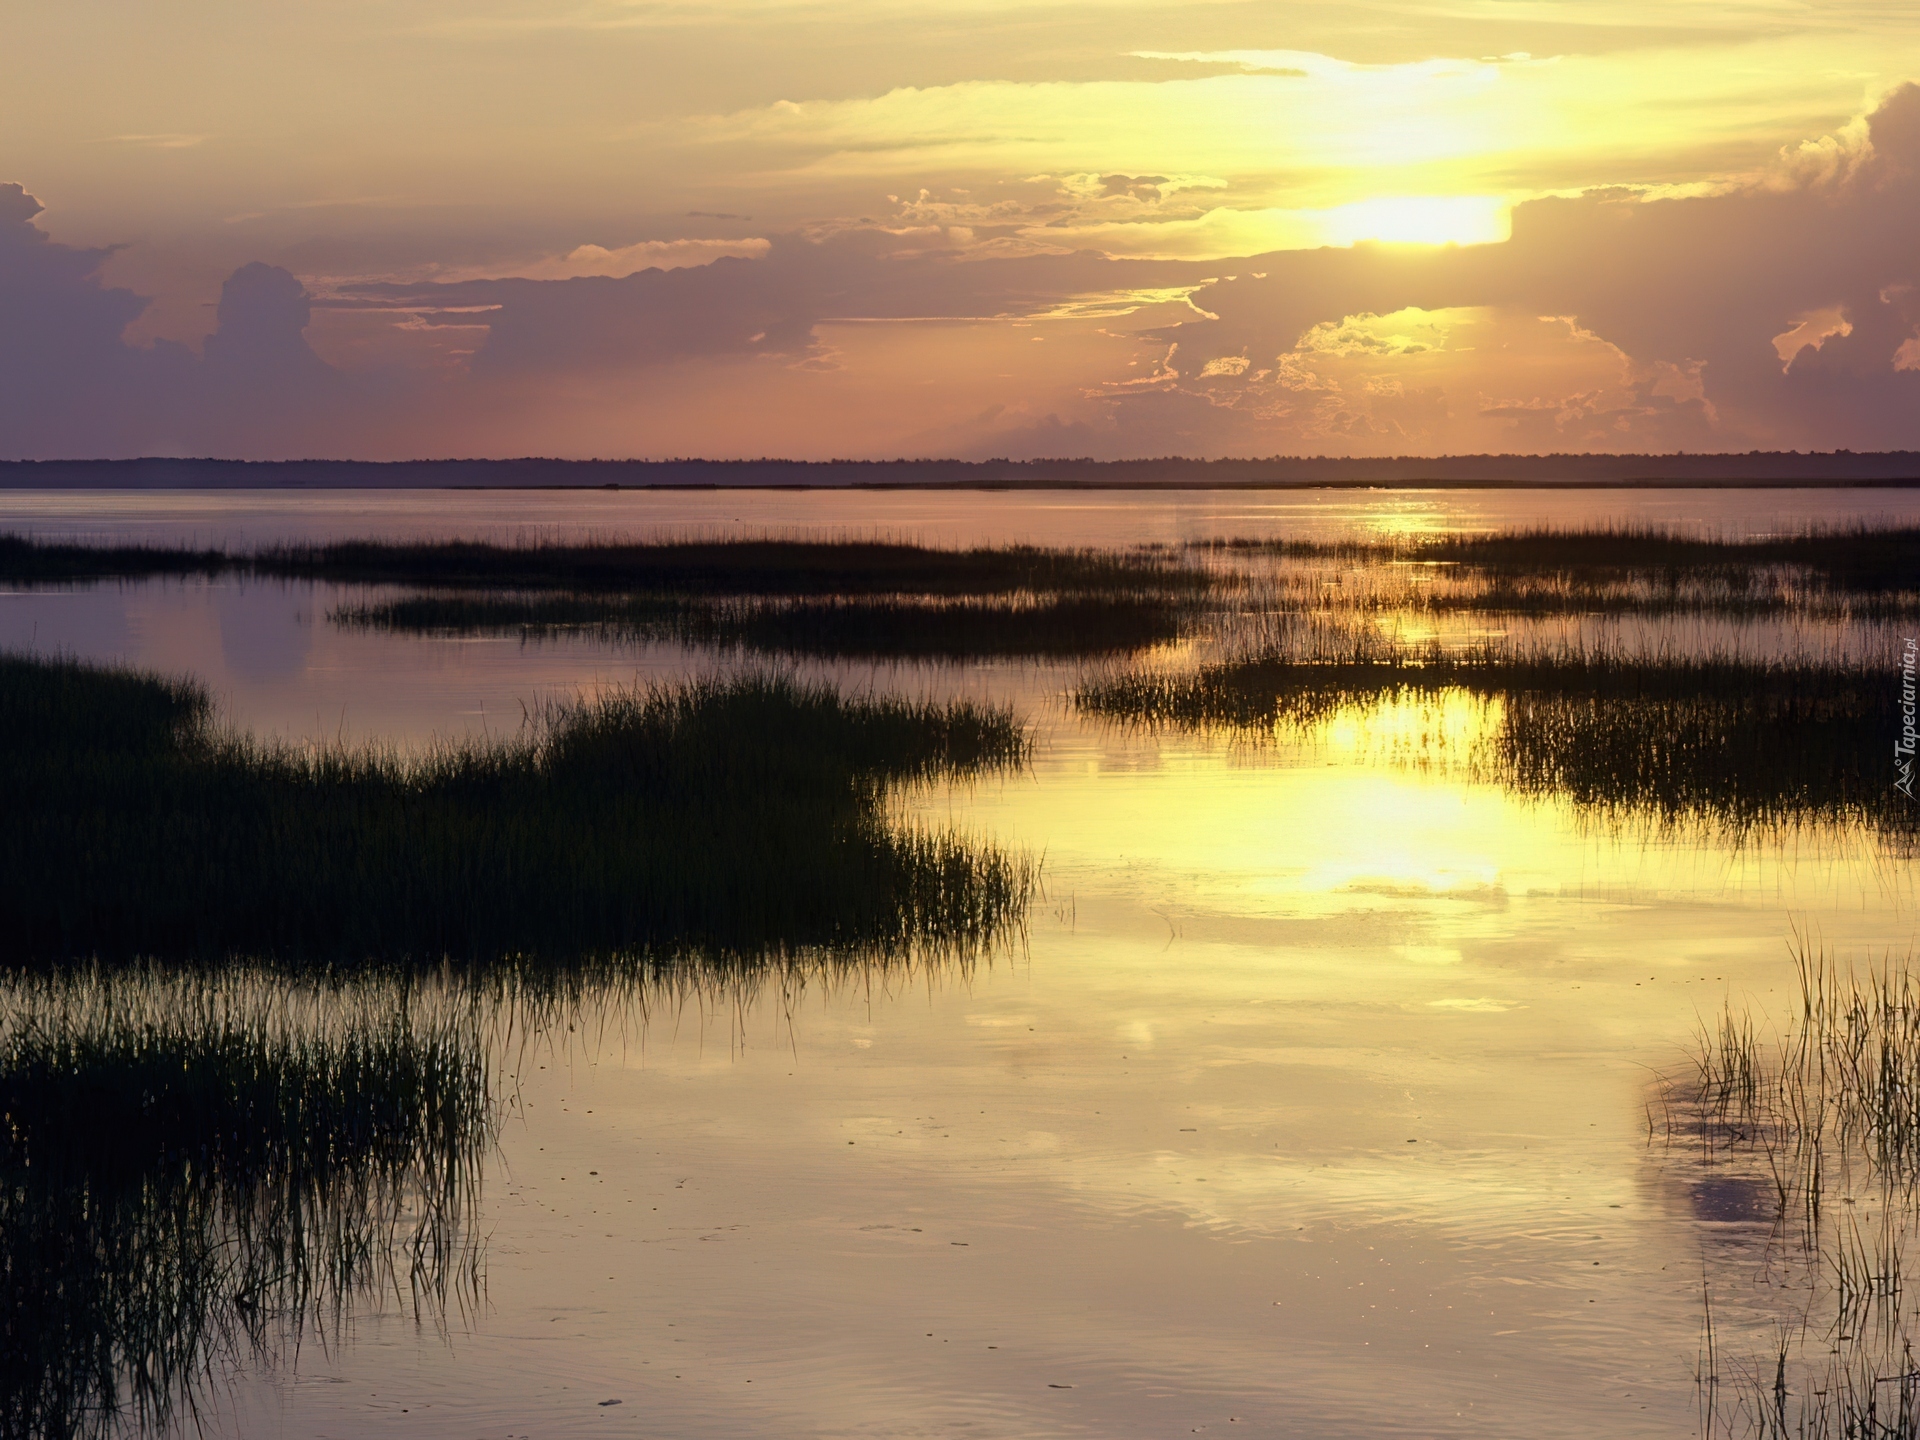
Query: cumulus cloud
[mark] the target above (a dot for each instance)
(769, 307)
(1781, 311)
(70, 385)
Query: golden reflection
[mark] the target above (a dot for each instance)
(1414, 728)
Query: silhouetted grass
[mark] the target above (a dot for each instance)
(1802, 745)
(856, 628)
(1825, 1115)
(664, 567)
(740, 816)
(1762, 594)
(1862, 560)
(1857, 559)
(1310, 671)
(29, 561)
(195, 1168)
(1740, 743)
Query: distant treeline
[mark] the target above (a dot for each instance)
(1756, 468)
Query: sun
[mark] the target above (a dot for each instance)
(1419, 220)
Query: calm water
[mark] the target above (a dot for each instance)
(1316, 1101)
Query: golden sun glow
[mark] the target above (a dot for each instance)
(1418, 220)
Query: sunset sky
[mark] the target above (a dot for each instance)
(393, 228)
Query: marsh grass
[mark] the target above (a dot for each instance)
(26, 560)
(1773, 593)
(1832, 1099)
(1824, 1113)
(197, 1169)
(740, 817)
(1042, 627)
(1737, 742)
(1862, 559)
(661, 568)
(1765, 595)
(1855, 573)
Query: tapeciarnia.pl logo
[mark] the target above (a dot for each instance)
(1903, 747)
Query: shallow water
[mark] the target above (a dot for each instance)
(1317, 1100)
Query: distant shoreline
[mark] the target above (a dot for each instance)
(1200, 487)
(1757, 471)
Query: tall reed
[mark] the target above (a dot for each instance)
(1823, 1117)
(196, 1168)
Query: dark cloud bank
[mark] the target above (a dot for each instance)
(1693, 291)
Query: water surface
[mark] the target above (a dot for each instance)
(1317, 1098)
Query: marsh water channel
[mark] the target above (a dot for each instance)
(1327, 1088)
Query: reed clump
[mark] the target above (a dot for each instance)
(738, 817)
(888, 628)
(196, 1168)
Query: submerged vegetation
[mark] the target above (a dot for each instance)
(743, 817)
(196, 1168)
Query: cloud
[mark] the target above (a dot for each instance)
(769, 307)
(623, 260)
(1299, 130)
(1814, 330)
(71, 386)
(65, 377)
(1781, 311)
